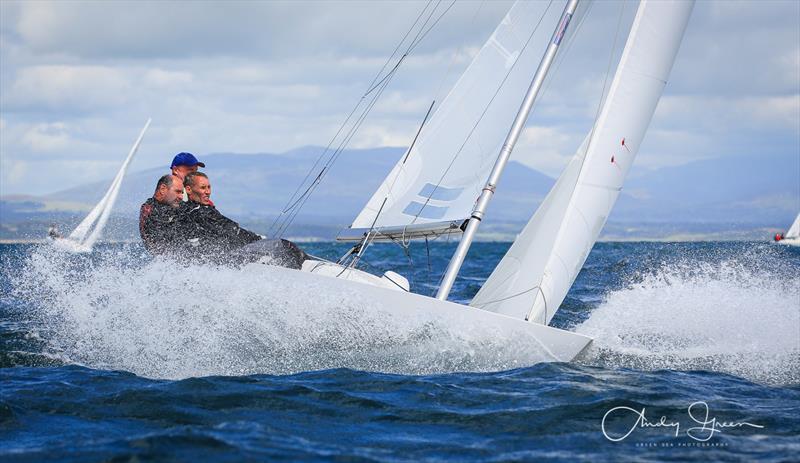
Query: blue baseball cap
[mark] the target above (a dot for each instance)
(185, 159)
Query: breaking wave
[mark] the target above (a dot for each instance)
(738, 315)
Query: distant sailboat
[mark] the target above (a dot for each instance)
(86, 234)
(432, 189)
(792, 236)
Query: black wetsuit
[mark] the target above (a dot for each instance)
(197, 232)
(157, 226)
(208, 233)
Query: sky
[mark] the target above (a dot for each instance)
(79, 79)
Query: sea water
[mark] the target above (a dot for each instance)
(116, 355)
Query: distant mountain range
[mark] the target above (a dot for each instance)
(753, 190)
(712, 196)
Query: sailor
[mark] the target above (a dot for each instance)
(778, 236)
(53, 233)
(157, 224)
(210, 233)
(206, 234)
(183, 164)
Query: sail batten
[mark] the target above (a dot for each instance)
(553, 246)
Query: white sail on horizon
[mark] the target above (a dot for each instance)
(437, 181)
(534, 276)
(90, 229)
(794, 230)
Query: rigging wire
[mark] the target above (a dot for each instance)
(366, 242)
(292, 199)
(369, 236)
(296, 203)
(486, 108)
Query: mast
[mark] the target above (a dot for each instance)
(505, 152)
(535, 275)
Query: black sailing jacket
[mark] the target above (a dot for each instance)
(157, 226)
(206, 230)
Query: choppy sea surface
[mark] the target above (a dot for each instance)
(117, 356)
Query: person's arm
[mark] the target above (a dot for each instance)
(229, 230)
(144, 214)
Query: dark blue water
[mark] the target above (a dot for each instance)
(114, 356)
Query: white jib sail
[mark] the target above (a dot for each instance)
(96, 220)
(794, 230)
(438, 181)
(534, 276)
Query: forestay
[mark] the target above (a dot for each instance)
(534, 276)
(433, 187)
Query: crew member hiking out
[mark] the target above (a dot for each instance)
(210, 233)
(212, 236)
(157, 225)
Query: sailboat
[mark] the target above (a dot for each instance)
(459, 155)
(86, 234)
(792, 236)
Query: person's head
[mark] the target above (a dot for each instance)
(198, 187)
(169, 190)
(183, 164)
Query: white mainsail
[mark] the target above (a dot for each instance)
(95, 222)
(534, 276)
(433, 187)
(794, 230)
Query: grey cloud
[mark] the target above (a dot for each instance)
(271, 76)
(179, 29)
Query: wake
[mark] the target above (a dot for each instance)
(738, 315)
(119, 310)
(162, 320)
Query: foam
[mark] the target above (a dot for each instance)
(738, 315)
(164, 320)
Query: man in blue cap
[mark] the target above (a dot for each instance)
(182, 164)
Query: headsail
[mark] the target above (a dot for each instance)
(89, 230)
(433, 187)
(794, 230)
(534, 276)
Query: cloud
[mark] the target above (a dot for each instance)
(46, 137)
(178, 29)
(731, 114)
(18, 176)
(67, 88)
(547, 149)
(247, 76)
(161, 78)
(372, 135)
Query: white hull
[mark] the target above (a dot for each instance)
(543, 343)
(789, 241)
(390, 280)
